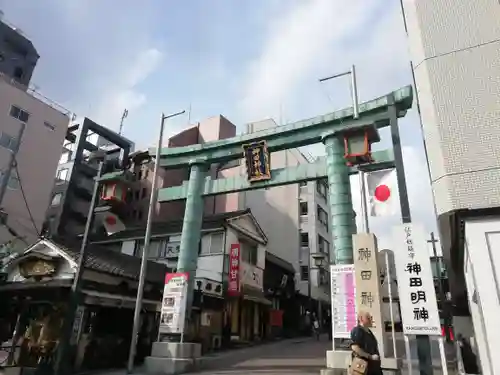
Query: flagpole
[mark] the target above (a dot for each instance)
(145, 250)
(364, 206)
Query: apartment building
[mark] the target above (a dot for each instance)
(32, 132)
(74, 177)
(455, 59)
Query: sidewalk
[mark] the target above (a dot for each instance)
(216, 360)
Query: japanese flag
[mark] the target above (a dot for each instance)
(111, 222)
(383, 195)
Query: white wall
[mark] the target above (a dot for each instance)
(482, 272)
(455, 48)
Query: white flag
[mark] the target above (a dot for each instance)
(383, 195)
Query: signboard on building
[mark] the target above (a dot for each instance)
(257, 161)
(343, 289)
(173, 307)
(251, 276)
(368, 288)
(233, 288)
(417, 296)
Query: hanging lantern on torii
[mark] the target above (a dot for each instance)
(358, 144)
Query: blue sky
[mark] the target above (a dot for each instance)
(246, 60)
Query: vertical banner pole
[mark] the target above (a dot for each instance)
(444, 363)
(364, 206)
(391, 309)
(408, 355)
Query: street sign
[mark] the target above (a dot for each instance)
(343, 297)
(417, 296)
(173, 307)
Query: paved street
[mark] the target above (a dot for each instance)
(297, 356)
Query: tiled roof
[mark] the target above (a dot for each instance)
(175, 226)
(102, 259)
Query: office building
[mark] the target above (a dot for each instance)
(75, 173)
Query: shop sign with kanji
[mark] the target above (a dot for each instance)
(233, 288)
(417, 296)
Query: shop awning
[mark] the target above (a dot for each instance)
(254, 295)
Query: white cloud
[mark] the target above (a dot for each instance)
(123, 92)
(318, 38)
(297, 43)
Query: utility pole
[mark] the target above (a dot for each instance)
(442, 297)
(147, 239)
(124, 116)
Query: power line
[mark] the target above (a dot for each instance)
(25, 200)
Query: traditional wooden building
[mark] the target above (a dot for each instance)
(34, 296)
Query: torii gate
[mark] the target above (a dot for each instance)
(339, 131)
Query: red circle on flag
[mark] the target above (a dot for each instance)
(110, 220)
(382, 193)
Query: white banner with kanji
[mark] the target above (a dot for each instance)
(417, 296)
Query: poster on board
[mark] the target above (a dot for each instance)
(173, 307)
(343, 297)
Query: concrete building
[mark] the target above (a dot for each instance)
(18, 56)
(294, 218)
(211, 129)
(72, 190)
(455, 55)
(44, 126)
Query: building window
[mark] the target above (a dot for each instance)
(322, 216)
(62, 175)
(56, 199)
(19, 114)
(321, 188)
(249, 253)
(49, 126)
(304, 239)
(323, 245)
(18, 73)
(7, 141)
(14, 182)
(304, 273)
(212, 243)
(303, 208)
(143, 193)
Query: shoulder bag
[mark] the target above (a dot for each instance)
(358, 366)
